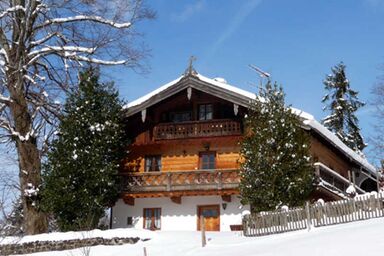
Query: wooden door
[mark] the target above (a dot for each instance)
(211, 215)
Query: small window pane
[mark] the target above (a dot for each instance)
(207, 160)
(152, 218)
(148, 218)
(206, 112)
(181, 116)
(157, 218)
(153, 163)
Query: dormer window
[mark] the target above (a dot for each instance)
(205, 112)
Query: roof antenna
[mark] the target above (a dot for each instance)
(190, 70)
(261, 73)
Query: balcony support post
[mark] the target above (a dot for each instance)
(129, 200)
(226, 198)
(220, 180)
(168, 181)
(176, 199)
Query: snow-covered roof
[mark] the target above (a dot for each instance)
(226, 86)
(243, 98)
(330, 136)
(151, 94)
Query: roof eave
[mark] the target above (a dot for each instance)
(195, 83)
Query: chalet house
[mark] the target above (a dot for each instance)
(183, 163)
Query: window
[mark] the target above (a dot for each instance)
(153, 163)
(207, 160)
(205, 112)
(152, 219)
(129, 221)
(181, 116)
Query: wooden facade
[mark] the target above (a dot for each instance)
(188, 143)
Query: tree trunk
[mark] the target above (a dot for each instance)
(35, 221)
(29, 171)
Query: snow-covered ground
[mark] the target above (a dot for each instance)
(358, 238)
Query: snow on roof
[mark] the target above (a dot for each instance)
(315, 125)
(227, 86)
(220, 79)
(151, 94)
(308, 118)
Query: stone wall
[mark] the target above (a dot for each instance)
(43, 246)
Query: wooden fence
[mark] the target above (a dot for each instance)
(319, 214)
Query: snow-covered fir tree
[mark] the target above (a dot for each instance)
(342, 102)
(80, 176)
(276, 167)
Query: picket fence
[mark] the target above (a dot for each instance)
(319, 214)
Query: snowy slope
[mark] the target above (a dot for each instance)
(358, 238)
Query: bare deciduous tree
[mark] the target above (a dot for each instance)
(378, 139)
(42, 44)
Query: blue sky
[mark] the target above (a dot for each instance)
(297, 41)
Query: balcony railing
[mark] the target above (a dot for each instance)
(196, 129)
(136, 182)
(181, 181)
(333, 180)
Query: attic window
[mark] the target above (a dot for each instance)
(205, 112)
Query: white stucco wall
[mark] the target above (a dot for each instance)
(177, 216)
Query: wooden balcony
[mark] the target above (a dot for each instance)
(196, 129)
(332, 180)
(181, 181)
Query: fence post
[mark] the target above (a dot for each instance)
(145, 251)
(202, 227)
(307, 210)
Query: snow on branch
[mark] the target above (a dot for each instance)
(96, 19)
(96, 61)
(66, 49)
(12, 9)
(44, 39)
(4, 99)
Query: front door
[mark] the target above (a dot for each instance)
(211, 215)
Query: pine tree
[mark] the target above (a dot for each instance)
(276, 167)
(80, 176)
(342, 102)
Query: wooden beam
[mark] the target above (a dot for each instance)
(226, 198)
(129, 200)
(176, 199)
(212, 192)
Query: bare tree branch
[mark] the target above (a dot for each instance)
(43, 44)
(96, 19)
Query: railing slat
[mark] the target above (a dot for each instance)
(196, 129)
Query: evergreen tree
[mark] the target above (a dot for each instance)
(342, 102)
(80, 176)
(276, 169)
